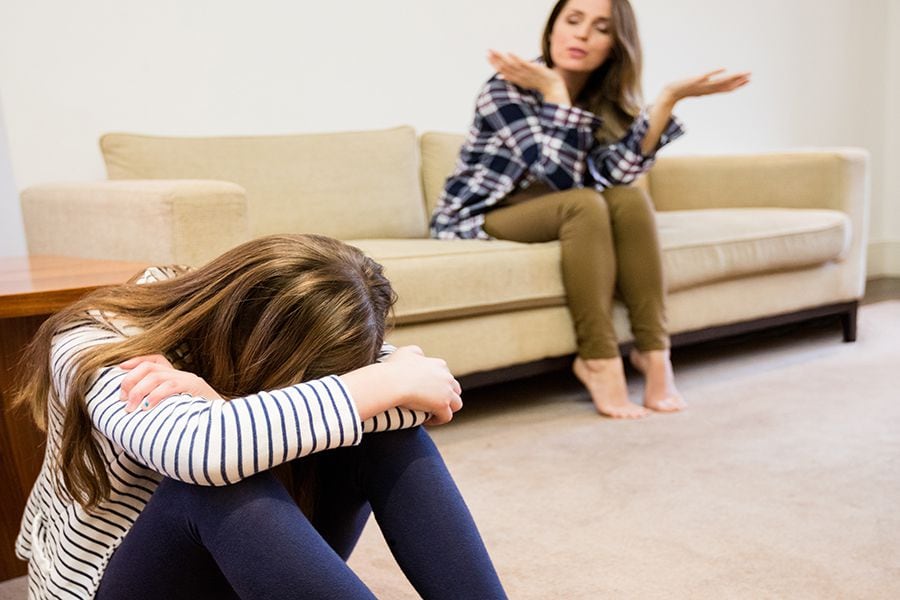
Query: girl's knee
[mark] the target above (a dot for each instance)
(398, 439)
(189, 495)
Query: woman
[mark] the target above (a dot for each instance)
(547, 138)
(157, 480)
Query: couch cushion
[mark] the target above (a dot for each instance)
(440, 279)
(345, 185)
(439, 154)
(701, 246)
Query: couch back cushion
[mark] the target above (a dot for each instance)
(439, 154)
(345, 185)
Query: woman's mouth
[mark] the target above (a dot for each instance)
(576, 52)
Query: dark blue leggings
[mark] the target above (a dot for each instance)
(250, 539)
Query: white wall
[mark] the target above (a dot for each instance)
(278, 66)
(12, 238)
(884, 255)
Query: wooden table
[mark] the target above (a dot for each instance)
(31, 289)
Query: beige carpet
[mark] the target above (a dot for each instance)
(781, 481)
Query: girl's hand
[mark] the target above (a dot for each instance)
(152, 379)
(531, 76)
(714, 82)
(425, 384)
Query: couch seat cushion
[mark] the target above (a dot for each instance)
(702, 246)
(441, 279)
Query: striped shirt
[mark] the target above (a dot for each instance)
(192, 439)
(516, 139)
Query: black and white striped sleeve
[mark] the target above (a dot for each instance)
(213, 442)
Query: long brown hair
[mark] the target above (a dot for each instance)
(613, 90)
(267, 314)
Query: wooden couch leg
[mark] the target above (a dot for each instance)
(848, 322)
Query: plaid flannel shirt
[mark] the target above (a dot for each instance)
(517, 139)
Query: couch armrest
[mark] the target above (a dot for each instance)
(836, 179)
(157, 221)
(829, 178)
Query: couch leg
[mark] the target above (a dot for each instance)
(848, 322)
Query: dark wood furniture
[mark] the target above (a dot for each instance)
(31, 289)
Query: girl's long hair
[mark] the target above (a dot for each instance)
(613, 90)
(267, 314)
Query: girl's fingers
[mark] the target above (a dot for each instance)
(131, 363)
(153, 390)
(140, 390)
(135, 375)
(440, 417)
(159, 393)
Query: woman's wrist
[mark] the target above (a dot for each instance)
(557, 94)
(667, 98)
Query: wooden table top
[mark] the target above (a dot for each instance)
(39, 285)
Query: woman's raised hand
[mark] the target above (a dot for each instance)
(152, 378)
(714, 82)
(531, 76)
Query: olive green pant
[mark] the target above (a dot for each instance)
(609, 248)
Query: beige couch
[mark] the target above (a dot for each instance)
(748, 241)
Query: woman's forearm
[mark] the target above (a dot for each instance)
(659, 116)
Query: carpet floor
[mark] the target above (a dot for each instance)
(782, 479)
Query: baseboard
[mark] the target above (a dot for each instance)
(884, 259)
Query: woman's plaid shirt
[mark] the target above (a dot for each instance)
(516, 139)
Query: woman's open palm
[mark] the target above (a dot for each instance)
(714, 82)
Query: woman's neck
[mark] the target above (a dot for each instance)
(574, 80)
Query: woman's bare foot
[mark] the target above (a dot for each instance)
(605, 380)
(660, 392)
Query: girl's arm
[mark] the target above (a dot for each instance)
(152, 379)
(214, 442)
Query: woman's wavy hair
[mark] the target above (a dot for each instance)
(267, 314)
(613, 90)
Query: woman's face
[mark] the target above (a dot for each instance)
(581, 38)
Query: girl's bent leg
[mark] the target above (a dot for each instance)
(247, 540)
(424, 519)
